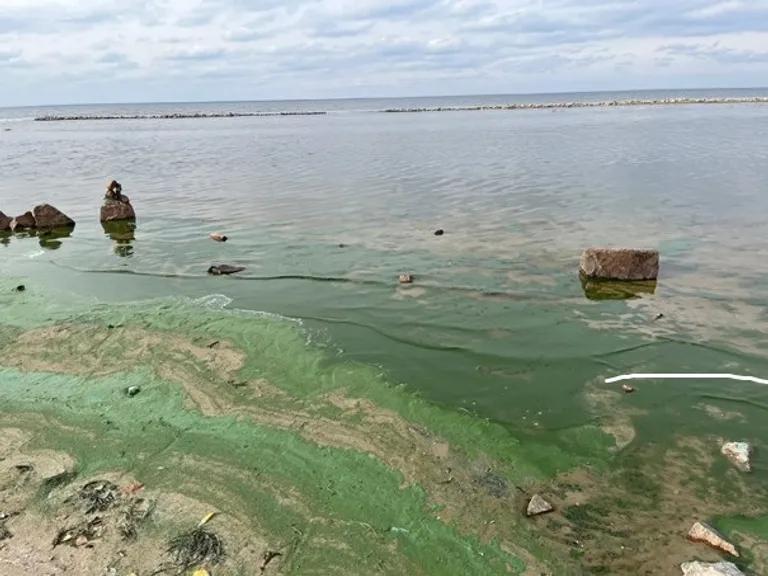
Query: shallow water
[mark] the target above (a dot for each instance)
(326, 211)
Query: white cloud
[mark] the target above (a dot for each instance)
(55, 50)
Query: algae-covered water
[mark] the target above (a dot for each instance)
(358, 426)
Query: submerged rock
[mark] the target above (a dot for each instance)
(222, 269)
(116, 205)
(439, 232)
(218, 237)
(537, 505)
(5, 222)
(47, 217)
(24, 222)
(406, 279)
(701, 532)
(739, 454)
(610, 264)
(710, 569)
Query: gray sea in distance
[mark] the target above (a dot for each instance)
(325, 212)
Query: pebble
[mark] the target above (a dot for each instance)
(20, 288)
(132, 391)
(439, 232)
(628, 389)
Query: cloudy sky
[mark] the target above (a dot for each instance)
(65, 51)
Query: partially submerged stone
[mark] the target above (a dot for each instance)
(623, 264)
(406, 278)
(223, 269)
(538, 505)
(710, 569)
(116, 205)
(739, 454)
(218, 237)
(47, 217)
(701, 532)
(24, 222)
(5, 222)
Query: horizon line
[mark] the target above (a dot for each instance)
(422, 96)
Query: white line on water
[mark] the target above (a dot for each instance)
(660, 376)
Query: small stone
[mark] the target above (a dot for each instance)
(132, 391)
(537, 505)
(223, 269)
(739, 454)
(117, 207)
(439, 232)
(628, 389)
(218, 237)
(5, 222)
(81, 541)
(610, 264)
(20, 288)
(24, 222)
(406, 279)
(710, 569)
(658, 316)
(701, 532)
(47, 217)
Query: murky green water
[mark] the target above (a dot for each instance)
(325, 212)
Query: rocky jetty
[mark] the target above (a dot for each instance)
(48, 218)
(224, 269)
(585, 104)
(739, 453)
(5, 222)
(701, 532)
(612, 264)
(116, 205)
(538, 505)
(710, 569)
(24, 222)
(175, 116)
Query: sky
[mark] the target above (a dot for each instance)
(78, 51)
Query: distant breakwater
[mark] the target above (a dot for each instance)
(172, 116)
(586, 104)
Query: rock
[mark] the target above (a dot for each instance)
(132, 391)
(439, 232)
(406, 278)
(609, 264)
(5, 222)
(222, 269)
(20, 288)
(116, 205)
(628, 389)
(710, 569)
(218, 237)
(48, 217)
(739, 454)
(537, 505)
(24, 222)
(701, 532)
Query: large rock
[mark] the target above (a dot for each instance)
(610, 264)
(739, 454)
(47, 217)
(5, 222)
(538, 505)
(24, 222)
(701, 532)
(710, 569)
(116, 205)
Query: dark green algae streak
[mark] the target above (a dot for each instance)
(367, 504)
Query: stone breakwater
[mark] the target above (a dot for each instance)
(587, 104)
(173, 116)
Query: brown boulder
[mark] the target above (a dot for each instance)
(24, 222)
(610, 264)
(115, 210)
(701, 532)
(48, 217)
(5, 222)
